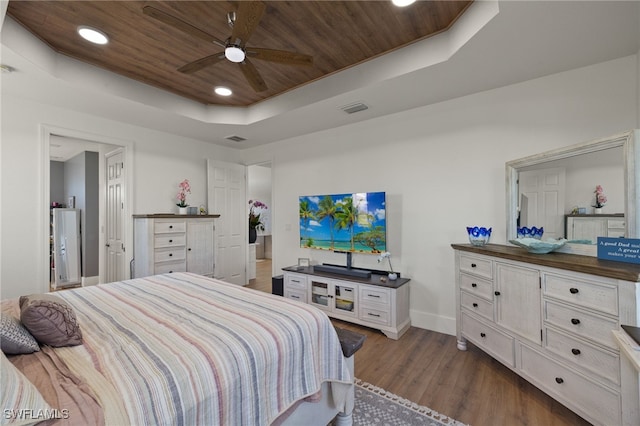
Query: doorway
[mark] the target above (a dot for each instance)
(84, 157)
(260, 188)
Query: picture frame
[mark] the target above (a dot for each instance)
(582, 210)
(303, 262)
(71, 202)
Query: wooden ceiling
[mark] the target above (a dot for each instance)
(338, 34)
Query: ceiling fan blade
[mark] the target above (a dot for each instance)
(247, 19)
(194, 66)
(180, 24)
(253, 76)
(280, 56)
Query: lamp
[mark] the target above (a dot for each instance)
(234, 54)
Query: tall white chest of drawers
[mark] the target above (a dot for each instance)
(550, 318)
(173, 243)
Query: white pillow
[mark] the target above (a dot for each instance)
(20, 401)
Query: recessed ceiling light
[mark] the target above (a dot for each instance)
(402, 3)
(93, 35)
(223, 91)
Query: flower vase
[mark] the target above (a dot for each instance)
(597, 210)
(182, 210)
(253, 235)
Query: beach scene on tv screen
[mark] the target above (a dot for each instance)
(344, 222)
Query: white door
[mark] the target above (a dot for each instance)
(545, 192)
(227, 197)
(115, 258)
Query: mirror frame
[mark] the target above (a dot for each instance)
(630, 143)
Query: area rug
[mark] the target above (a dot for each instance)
(375, 406)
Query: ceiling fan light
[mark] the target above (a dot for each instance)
(223, 91)
(403, 3)
(234, 54)
(93, 35)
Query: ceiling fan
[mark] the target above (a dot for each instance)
(243, 23)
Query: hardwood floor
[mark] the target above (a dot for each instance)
(427, 368)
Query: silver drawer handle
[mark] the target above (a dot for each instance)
(295, 281)
(294, 297)
(373, 315)
(373, 295)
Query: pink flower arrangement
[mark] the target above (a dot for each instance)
(601, 199)
(184, 189)
(254, 218)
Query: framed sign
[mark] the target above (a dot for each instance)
(303, 262)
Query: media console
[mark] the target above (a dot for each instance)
(374, 302)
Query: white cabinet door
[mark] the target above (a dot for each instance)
(518, 301)
(586, 228)
(200, 247)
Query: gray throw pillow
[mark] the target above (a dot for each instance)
(14, 338)
(50, 320)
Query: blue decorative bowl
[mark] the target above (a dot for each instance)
(536, 246)
(478, 236)
(532, 232)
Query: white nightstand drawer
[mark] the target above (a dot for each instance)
(599, 402)
(489, 339)
(581, 323)
(160, 241)
(296, 281)
(584, 355)
(167, 227)
(597, 296)
(169, 255)
(169, 267)
(476, 266)
(477, 305)
(298, 295)
(477, 286)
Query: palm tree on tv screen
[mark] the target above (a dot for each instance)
(306, 214)
(327, 209)
(346, 217)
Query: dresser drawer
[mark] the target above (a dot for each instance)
(299, 295)
(581, 323)
(489, 339)
(584, 355)
(476, 266)
(169, 254)
(161, 241)
(616, 224)
(374, 295)
(375, 316)
(589, 294)
(295, 281)
(477, 286)
(169, 267)
(167, 227)
(598, 402)
(477, 305)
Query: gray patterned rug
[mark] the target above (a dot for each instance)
(375, 406)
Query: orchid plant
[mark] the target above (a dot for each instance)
(386, 255)
(255, 221)
(184, 189)
(601, 199)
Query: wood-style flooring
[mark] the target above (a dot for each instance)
(427, 368)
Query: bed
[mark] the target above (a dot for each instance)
(183, 349)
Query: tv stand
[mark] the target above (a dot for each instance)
(372, 301)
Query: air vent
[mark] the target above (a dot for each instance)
(236, 138)
(350, 109)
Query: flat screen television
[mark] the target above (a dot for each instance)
(344, 222)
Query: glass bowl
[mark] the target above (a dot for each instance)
(532, 232)
(536, 246)
(478, 236)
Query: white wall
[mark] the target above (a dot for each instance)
(442, 167)
(160, 161)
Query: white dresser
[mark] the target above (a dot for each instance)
(551, 319)
(365, 301)
(166, 243)
(592, 226)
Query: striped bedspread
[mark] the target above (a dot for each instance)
(182, 349)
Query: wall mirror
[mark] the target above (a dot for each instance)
(544, 189)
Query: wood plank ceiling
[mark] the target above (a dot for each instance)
(337, 34)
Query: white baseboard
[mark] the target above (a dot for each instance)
(441, 324)
(87, 281)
